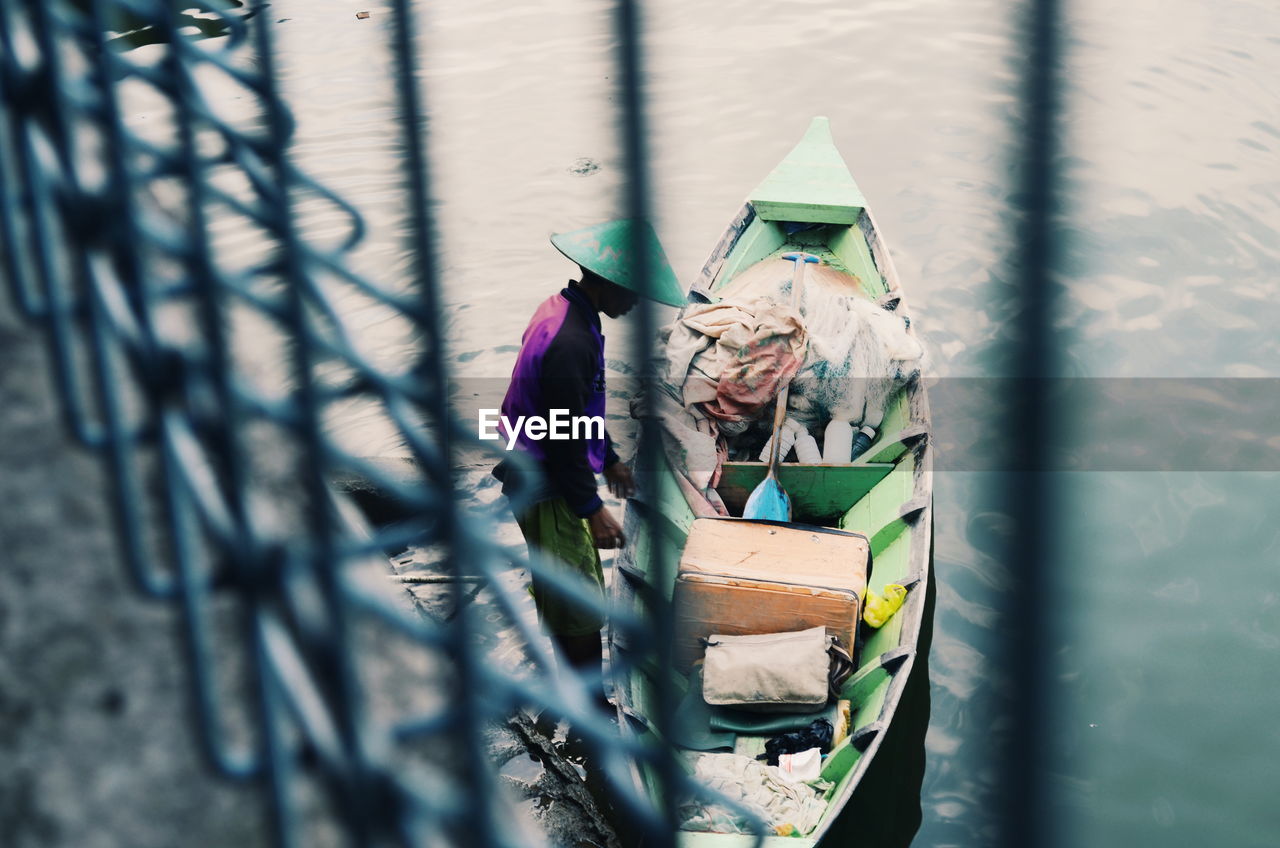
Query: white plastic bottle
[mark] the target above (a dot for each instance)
(837, 443)
(788, 436)
(807, 449)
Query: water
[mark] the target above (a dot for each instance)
(1164, 635)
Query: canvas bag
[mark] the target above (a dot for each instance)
(770, 672)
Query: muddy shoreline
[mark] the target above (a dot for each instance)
(551, 789)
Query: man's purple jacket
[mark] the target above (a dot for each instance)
(561, 366)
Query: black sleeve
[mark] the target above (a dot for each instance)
(568, 370)
(610, 455)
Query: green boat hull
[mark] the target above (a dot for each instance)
(885, 494)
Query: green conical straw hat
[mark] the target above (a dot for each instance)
(605, 249)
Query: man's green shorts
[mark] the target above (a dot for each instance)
(551, 528)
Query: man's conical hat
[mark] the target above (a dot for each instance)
(605, 249)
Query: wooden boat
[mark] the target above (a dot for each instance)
(884, 494)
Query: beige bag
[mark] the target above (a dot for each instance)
(771, 672)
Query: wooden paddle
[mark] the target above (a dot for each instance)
(769, 499)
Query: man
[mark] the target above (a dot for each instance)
(561, 367)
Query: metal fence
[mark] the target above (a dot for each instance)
(103, 266)
(107, 243)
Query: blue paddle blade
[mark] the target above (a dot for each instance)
(768, 500)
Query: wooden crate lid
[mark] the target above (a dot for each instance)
(754, 550)
(808, 588)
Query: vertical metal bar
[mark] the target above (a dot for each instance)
(193, 596)
(122, 239)
(221, 438)
(59, 304)
(12, 178)
(1029, 554)
(279, 755)
(332, 659)
(638, 204)
(432, 372)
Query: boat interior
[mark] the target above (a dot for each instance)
(871, 498)
(880, 495)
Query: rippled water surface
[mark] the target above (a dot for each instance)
(1165, 641)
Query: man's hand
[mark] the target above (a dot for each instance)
(618, 478)
(605, 530)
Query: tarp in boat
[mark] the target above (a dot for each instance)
(724, 363)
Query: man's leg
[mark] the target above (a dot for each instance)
(552, 529)
(583, 652)
(585, 656)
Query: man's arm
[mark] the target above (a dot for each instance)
(617, 476)
(610, 455)
(567, 374)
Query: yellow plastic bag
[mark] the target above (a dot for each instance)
(880, 608)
